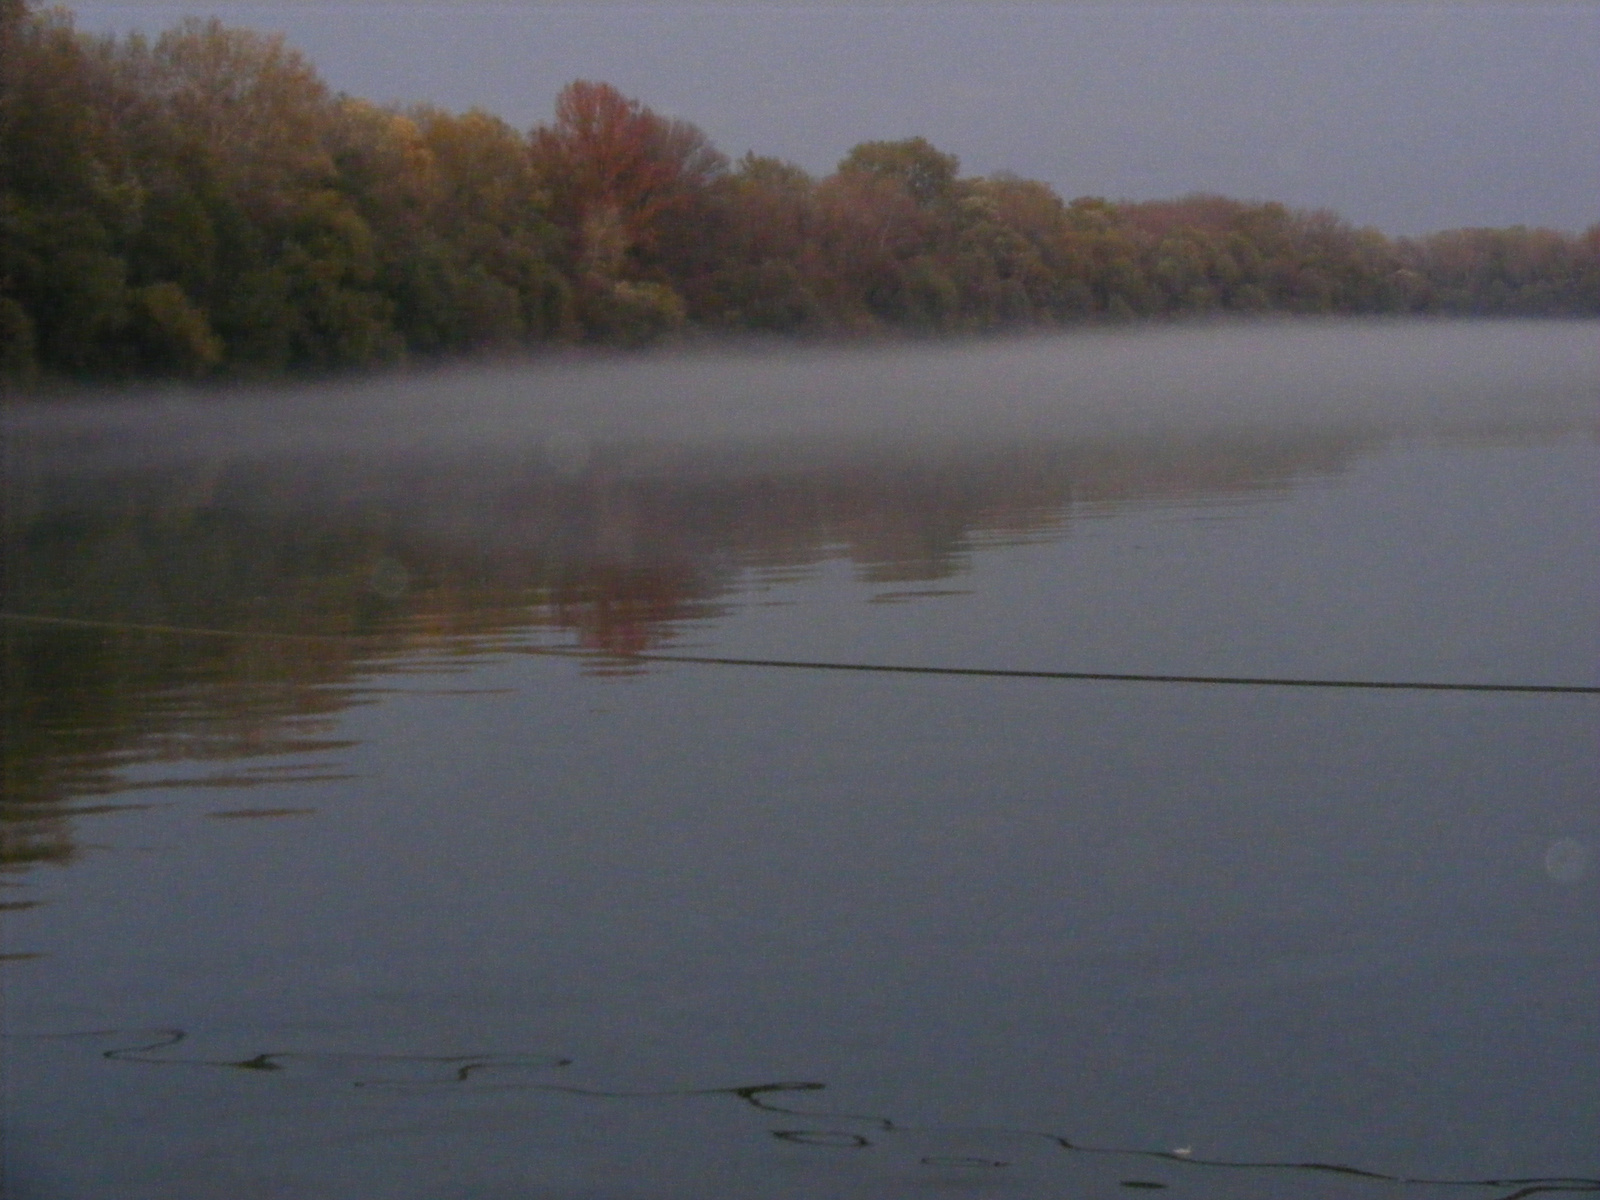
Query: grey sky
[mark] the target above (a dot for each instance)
(1410, 117)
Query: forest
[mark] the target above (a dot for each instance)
(203, 205)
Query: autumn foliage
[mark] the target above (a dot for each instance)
(201, 204)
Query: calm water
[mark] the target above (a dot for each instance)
(364, 839)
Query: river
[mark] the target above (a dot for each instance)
(875, 772)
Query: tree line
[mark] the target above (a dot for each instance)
(202, 204)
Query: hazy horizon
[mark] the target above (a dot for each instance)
(1438, 378)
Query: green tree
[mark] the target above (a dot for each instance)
(67, 194)
(766, 226)
(927, 174)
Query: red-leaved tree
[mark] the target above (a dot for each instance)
(623, 179)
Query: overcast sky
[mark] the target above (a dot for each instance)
(1410, 117)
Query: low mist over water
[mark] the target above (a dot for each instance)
(539, 779)
(1415, 377)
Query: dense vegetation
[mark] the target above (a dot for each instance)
(201, 204)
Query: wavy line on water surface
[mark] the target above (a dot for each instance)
(147, 1052)
(273, 1060)
(463, 1072)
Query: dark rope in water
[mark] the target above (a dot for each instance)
(1545, 689)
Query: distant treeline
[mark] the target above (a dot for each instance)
(202, 204)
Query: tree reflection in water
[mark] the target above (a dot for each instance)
(225, 610)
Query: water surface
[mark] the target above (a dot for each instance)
(364, 838)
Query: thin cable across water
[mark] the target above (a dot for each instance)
(1411, 685)
(1124, 676)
